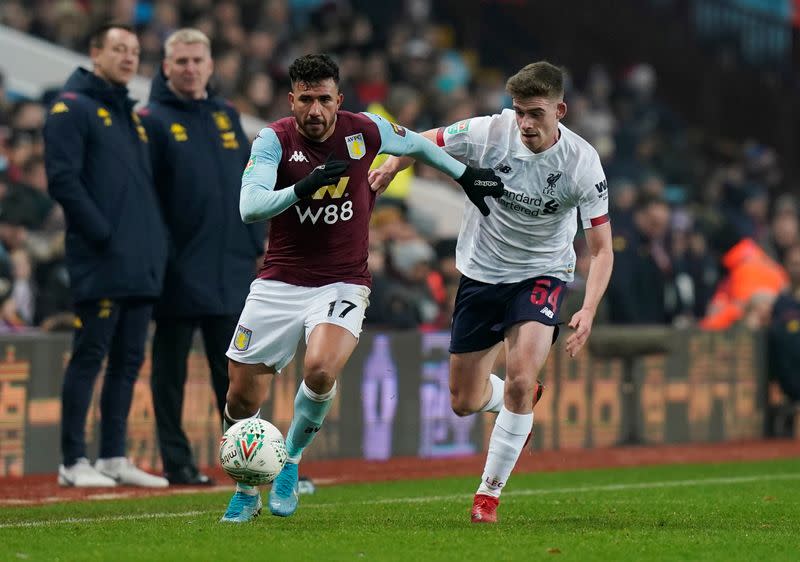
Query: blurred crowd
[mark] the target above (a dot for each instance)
(682, 200)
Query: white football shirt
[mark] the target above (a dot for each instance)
(531, 229)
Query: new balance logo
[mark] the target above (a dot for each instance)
(503, 168)
(298, 156)
(547, 312)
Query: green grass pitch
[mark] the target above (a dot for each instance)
(719, 512)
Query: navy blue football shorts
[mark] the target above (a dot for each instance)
(484, 311)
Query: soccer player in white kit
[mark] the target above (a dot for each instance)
(516, 261)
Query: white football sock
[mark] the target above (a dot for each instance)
(508, 437)
(496, 400)
(227, 422)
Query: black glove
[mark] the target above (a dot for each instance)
(479, 183)
(326, 174)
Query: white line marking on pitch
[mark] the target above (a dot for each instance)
(427, 499)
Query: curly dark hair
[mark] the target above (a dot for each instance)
(313, 69)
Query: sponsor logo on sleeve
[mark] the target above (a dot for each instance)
(602, 190)
(398, 130)
(249, 168)
(460, 127)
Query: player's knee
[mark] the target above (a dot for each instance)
(241, 402)
(240, 405)
(318, 375)
(518, 391)
(462, 404)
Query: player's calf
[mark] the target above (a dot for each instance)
(538, 389)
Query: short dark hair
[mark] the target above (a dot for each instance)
(538, 79)
(313, 69)
(98, 37)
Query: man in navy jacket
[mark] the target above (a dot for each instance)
(98, 169)
(198, 152)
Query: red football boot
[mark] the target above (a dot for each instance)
(537, 393)
(484, 509)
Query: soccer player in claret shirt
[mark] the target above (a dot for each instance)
(516, 262)
(308, 173)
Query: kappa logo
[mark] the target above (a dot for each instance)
(551, 183)
(178, 132)
(222, 121)
(298, 156)
(103, 114)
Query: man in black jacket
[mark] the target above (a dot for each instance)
(98, 169)
(198, 152)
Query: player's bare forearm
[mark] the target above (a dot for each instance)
(598, 239)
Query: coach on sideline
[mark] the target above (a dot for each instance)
(198, 152)
(98, 169)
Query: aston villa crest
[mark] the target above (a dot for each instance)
(242, 339)
(356, 146)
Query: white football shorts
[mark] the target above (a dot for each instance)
(277, 314)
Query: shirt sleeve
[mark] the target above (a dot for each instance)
(258, 199)
(464, 139)
(399, 141)
(593, 190)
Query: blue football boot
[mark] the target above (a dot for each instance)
(283, 495)
(242, 508)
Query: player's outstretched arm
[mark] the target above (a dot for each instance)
(477, 182)
(382, 176)
(598, 239)
(258, 199)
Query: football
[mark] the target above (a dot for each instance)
(252, 452)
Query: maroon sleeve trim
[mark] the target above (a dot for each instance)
(440, 136)
(600, 220)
